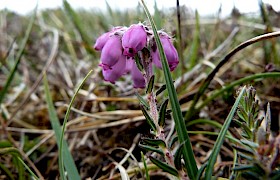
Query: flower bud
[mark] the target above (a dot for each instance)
(115, 72)
(134, 39)
(137, 77)
(111, 52)
(170, 52)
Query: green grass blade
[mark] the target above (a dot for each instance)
(78, 25)
(18, 57)
(61, 162)
(145, 166)
(221, 137)
(27, 168)
(6, 171)
(19, 162)
(68, 159)
(193, 54)
(176, 110)
(239, 82)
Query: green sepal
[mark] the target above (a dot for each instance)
(162, 112)
(177, 157)
(150, 84)
(148, 118)
(150, 148)
(138, 62)
(165, 167)
(154, 142)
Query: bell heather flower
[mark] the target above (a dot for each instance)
(170, 52)
(116, 71)
(111, 52)
(134, 39)
(119, 46)
(100, 42)
(137, 77)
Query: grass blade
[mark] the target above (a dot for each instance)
(254, 77)
(193, 54)
(18, 161)
(145, 166)
(68, 159)
(18, 57)
(61, 162)
(78, 25)
(221, 136)
(176, 110)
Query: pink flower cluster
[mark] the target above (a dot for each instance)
(120, 45)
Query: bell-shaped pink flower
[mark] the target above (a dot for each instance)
(137, 77)
(170, 52)
(101, 41)
(115, 72)
(111, 52)
(134, 39)
(129, 64)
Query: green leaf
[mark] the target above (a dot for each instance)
(67, 157)
(243, 167)
(7, 84)
(145, 166)
(148, 118)
(150, 148)
(150, 84)
(162, 112)
(154, 142)
(161, 89)
(142, 101)
(173, 141)
(221, 136)
(165, 167)
(66, 119)
(178, 157)
(180, 126)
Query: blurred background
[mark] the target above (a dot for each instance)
(204, 7)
